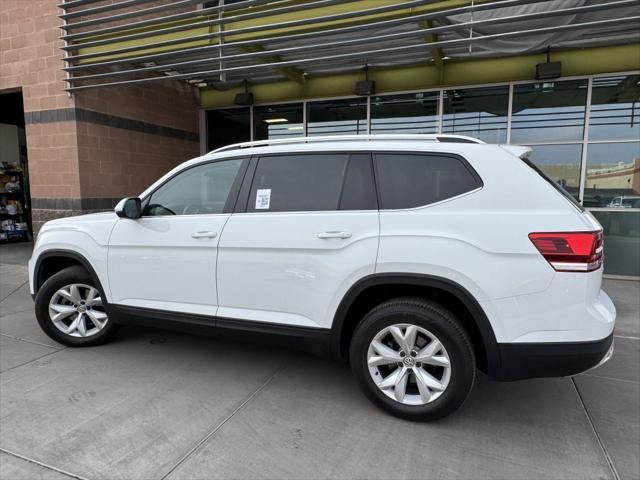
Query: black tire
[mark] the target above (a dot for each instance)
(57, 281)
(441, 323)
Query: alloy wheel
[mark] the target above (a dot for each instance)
(409, 364)
(77, 310)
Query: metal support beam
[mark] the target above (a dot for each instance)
(255, 51)
(171, 24)
(253, 34)
(436, 52)
(624, 58)
(99, 9)
(150, 11)
(291, 73)
(244, 69)
(262, 31)
(301, 39)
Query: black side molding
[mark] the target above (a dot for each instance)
(533, 360)
(306, 339)
(147, 317)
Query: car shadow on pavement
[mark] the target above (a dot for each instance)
(160, 404)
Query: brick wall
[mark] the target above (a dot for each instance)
(30, 60)
(170, 104)
(87, 150)
(30, 55)
(53, 160)
(119, 162)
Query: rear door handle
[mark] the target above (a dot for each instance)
(204, 234)
(325, 235)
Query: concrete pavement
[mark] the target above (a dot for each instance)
(156, 404)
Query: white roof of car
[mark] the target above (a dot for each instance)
(444, 142)
(437, 142)
(444, 138)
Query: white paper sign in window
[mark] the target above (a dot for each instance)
(263, 199)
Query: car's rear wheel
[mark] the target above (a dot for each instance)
(412, 358)
(71, 309)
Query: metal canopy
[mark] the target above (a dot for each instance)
(225, 43)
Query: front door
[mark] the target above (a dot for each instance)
(166, 260)
(308, 231)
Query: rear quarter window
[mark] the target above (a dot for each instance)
(553, 183)
(409, 180)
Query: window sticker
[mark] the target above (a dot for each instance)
(263, 199)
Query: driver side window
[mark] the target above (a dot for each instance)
(200, 190)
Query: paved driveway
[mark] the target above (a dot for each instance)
(155, 405)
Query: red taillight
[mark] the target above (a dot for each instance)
(571, 251)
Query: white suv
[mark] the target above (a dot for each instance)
(415, 258)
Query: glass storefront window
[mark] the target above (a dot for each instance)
(613, 175)
(231, 125)
(621, 242)
(412, 113)
(550, 116)
(337, 117)
(477, 112)
(278, 121)
(615, 108)
(561, 163)
(548, 111)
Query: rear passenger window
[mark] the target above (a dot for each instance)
(298, 183)
(412, 180)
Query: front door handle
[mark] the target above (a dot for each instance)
(325, 235)
(204, 234)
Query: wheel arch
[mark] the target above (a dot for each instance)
(51, 262)
(376, 288)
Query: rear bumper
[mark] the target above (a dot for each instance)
(531, 360)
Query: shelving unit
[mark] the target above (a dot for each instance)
(15, 198)
(13, 226)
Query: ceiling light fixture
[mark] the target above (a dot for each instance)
(275, 120)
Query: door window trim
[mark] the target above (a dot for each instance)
(232, 197)
(245, 190)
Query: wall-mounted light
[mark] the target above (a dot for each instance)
(246, 98)
(365, 87)
(548, 70)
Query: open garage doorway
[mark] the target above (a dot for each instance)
(15, 200)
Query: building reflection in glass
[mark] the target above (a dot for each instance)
(338, 117)
(477, 112)
(613, 175)
(411, 113)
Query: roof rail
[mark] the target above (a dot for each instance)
(347, 138)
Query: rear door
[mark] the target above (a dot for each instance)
(309, 228)
(166, 260)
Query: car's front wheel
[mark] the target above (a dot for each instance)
(71, 309)
(412, 358)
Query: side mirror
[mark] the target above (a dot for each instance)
(130, 207)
